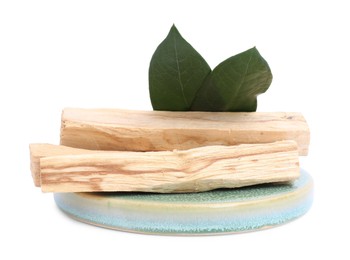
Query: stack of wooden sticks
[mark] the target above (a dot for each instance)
(169, 152)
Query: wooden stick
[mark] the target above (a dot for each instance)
(194, 170)
(110, 129)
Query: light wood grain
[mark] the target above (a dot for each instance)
(38, 151)
(193, 170)
(112, 129)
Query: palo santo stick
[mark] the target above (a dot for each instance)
(125, 130)
(194, 170)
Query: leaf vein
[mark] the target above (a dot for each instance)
(179, 72)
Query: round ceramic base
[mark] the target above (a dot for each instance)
(212, 212)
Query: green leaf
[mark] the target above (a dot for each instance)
(234, 84)
(176, 73)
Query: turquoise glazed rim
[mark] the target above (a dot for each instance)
(212, 212)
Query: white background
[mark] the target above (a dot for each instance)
(94, 54)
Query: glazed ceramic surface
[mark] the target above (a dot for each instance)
(212, 212)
